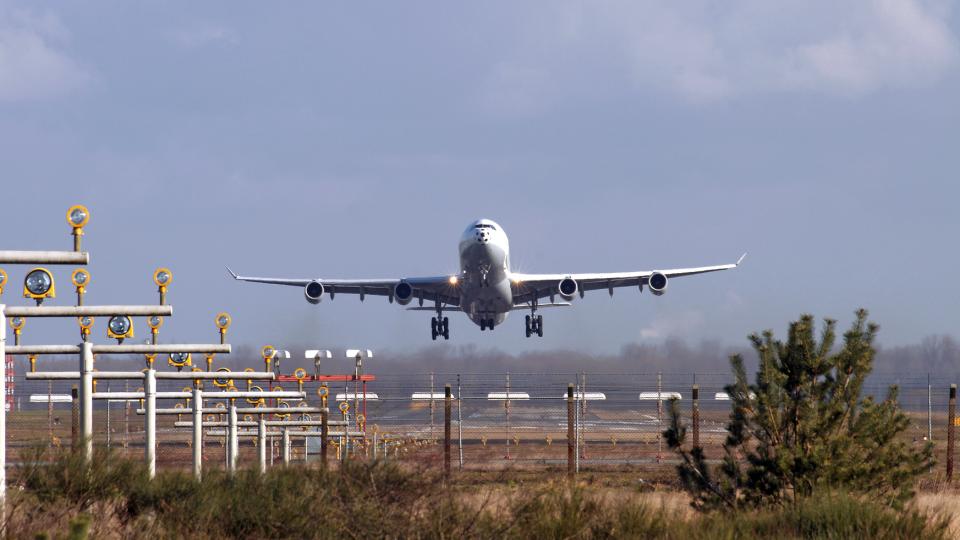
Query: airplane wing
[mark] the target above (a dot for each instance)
(431, 289)
(528, 287)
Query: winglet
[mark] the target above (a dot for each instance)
(235, 276)
(742, 257)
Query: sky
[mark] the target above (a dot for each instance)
(344, 140)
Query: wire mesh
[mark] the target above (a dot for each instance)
(499, 420)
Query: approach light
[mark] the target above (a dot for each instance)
(3, 279)
(453, 280)
(223, 321)
(86, 323)
(77, 217)
(16, 323)
(154, 322)
(179, 360)
(39, 285)
(268, 352)
(80, 278)
(317, 356)
(162, 277)
(120, 327)
(225, 381)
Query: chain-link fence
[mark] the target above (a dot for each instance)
(504, 420)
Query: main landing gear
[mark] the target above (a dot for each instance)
(535, 325)
(440, 326)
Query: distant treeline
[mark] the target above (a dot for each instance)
(939, 354)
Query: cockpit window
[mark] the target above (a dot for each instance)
(485, 226)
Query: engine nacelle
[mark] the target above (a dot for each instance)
(403, 293)
(567, 288)
(657, 283)
(313, 292)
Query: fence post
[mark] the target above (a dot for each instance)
(447, 402)
(695, 414)
(74, 417)
(951, 429)
(570, 432)
(324, 431)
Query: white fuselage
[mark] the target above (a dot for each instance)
(485, 287)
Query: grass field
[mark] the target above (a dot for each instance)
(57, 496)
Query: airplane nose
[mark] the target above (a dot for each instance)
(482, 236)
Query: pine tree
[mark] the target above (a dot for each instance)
(804, 427)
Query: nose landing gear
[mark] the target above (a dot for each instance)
(440, 326)
(535, 325)
(486, 324)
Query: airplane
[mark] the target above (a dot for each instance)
(486, 289)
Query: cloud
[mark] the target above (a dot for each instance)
(33, 65)
(673, 325)
(705, 51)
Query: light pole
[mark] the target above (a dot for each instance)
(358, 355)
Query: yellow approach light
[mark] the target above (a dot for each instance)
(77, 217)
(180, 360)
(3, 279)
(86, 323)
(154, 322)
(223, 321)
(80, 279)
(120, 327)
(39, 285)
(17, 324)
(162, 277)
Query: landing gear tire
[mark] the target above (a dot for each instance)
(433, 328)
(446, 328)
(534, 325)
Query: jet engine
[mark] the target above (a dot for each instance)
(657, 283)
(403, 293)
(313, 292)
(567, 288)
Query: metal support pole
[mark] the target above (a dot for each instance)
(432, 395)
(150, 421)
(197, 433)
(50, 410)
(951, 430)
(659, 417)
(324, 432)
(929, 410)
(262, 443)
(286, 447)
(447, 405)
(86, 399)
(571, 452)
(108, 418)
(3, 423)
(695, 414)
(74, 417)
(460, 421)
(233, 444)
